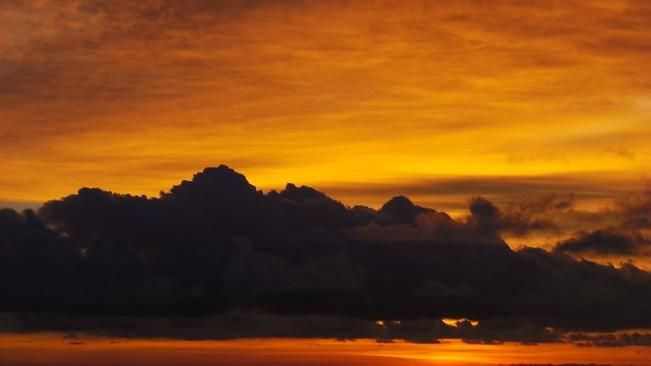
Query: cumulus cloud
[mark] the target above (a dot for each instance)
(215, 245)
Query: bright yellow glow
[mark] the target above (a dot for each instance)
(453, 322)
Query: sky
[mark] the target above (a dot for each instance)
(516, 95)
(20, 351)
(457, 177)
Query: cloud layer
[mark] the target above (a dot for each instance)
(216, 245)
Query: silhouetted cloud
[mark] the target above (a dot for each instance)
(611, 340)
(400, 209)
(624, 230)
(600, 242)
(216, 245)
(238, 324)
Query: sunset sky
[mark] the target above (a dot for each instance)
(518, 129)
(34, 350)
(516, 96)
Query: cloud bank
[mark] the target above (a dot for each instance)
(216, 246)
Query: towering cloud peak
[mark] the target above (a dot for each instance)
(402, 210)
(221, 183)
(302, 193)
(484, 214)
(304, 207)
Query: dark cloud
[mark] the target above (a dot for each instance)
(237, 324)
(216, 245)
(539, 213)
(263, 325)
(601, 242)
(611, 340)
(626, 232)
(519, 219)
(400, 209)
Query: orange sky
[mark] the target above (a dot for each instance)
(363, 99)
(37, 349)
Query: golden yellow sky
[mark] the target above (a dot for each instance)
(363, 99)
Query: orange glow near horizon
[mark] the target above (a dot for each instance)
(21, 350)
